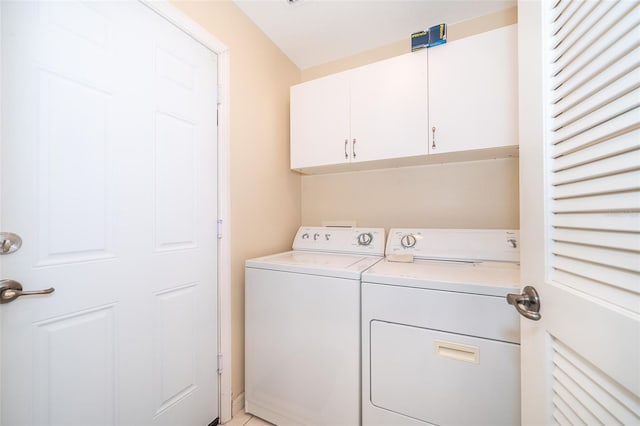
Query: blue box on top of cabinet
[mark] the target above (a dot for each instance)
(432, 37)
(419, 40)
(437, 35)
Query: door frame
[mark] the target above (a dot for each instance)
(169, 12)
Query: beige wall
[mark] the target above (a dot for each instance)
(482, 194)
(454, 32)
(265, 194)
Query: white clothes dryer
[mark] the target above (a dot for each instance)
(302, 327)
(440, 344)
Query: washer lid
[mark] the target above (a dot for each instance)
(487, 278)
(348, 266)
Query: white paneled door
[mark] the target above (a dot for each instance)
(109, 176)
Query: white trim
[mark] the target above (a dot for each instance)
(169, 12)
(201, 35)
(224, 247)
(1, 222)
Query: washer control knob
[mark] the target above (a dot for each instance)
(365, 238)
(305, 236)
(315, 236)
(408, 241)
(327, 236)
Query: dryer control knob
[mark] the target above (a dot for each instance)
(365, 238)
(408, 241)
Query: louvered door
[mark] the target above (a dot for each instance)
(580, 210)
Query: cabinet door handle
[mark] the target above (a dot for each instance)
(354, 147)
(433, 137)
(346, 155)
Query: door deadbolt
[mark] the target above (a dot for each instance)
(9, 242)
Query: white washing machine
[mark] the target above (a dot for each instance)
(440, 344)
(302, 327)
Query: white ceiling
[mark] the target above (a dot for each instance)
(313, 32)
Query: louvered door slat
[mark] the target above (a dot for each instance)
(592, 50)
(615, 278)
(573, 29)
(623, 202)
(601, 115)
(560, 418)
(573, 409)
(626, 161)
(575, 11)
(626, 222)
(560, 9)
(624, 260)
(618, 295)
(614, 240)
(610, 146)
(627, 122)
(609, 166)
(566, 97)
(619, 403)
(589, 412)
(623, 182)
(599, 97)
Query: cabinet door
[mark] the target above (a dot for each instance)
(473, 93)
(389, 108)
(320, 122)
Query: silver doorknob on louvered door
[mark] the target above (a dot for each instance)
(10, 290)
(527, 304)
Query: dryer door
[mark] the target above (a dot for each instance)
(443, 378)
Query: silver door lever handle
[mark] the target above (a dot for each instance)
(529, 299)
(10, 290)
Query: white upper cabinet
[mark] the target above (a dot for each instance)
(389, 108)
(461, 95)
(473, 92)
(374, 112)
(320, 122)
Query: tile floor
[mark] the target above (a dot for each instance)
(244, 419)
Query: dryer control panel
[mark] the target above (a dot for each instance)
(340, 240)
(499, 245)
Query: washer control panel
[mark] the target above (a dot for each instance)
(340, 240)
(501, 245)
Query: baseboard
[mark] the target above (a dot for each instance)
(237, 405)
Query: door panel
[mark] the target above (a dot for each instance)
(66, 374)
(176, 338)
(579, 223)
(73, 189)
(109, 175)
